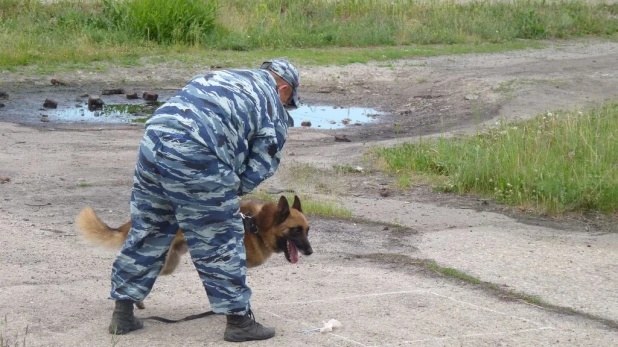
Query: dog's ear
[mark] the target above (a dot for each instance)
(296, 204)
(283, 210)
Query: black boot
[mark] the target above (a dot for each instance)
(123, 320)
(245, 328)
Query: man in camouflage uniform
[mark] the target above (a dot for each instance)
(217, 139)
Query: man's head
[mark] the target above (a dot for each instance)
(287, 81)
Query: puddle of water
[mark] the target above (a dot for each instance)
(324, 117)
(121, 113)
(327, 117)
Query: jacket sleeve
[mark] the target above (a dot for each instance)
(265, 150)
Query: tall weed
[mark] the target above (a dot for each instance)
(163, 21)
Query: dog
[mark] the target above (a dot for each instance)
(269, 228)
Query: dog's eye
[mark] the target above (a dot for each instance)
(296, 230)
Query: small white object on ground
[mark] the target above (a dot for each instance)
(328, 326)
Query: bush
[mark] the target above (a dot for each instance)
(163, 21)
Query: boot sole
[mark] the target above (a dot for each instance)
(116, 331)
(236, 338)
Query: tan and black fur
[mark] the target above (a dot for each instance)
(278, 225)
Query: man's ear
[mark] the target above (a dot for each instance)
(282, 87)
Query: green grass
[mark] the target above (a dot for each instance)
(557, 162)
(99, 58)
(347, 169)
(77, 34)
(454, 273)
(161, 21)
(296, 23)
(528, 298)
(310, 206)
(140, 120)
(447, 271)
(130, 108)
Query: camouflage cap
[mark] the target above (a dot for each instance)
(288, 72)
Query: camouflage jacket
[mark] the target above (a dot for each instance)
(237, 114)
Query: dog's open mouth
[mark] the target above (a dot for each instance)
(291, 252)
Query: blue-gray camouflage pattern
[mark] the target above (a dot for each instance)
(235, 113)
(288, 72)
(216, 139)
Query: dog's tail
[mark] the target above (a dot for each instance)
(96, 232)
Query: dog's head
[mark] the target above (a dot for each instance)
(292, 230)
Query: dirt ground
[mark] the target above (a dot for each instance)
(367, 272)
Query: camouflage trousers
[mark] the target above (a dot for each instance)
(181, 183)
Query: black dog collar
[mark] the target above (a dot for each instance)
(249, 223)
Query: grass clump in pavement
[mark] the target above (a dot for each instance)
(450, 272)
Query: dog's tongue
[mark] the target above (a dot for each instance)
(293, 252)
